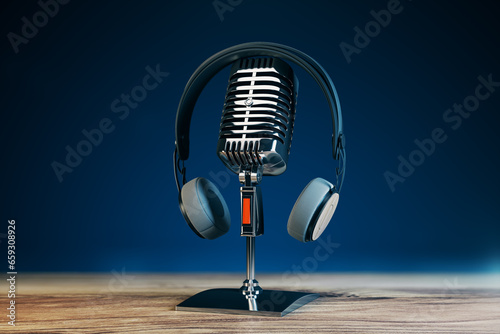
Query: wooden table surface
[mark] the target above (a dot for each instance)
(122, 302)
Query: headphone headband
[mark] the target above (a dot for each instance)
(217, 62)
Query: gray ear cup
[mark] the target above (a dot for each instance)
(204, 208)
(313, 210)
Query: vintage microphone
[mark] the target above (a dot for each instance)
(254, 139)
(258, 116)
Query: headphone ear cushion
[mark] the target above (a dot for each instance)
(204, 208)
(313, 210)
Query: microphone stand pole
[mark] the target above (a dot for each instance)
(252, 225)
(251, 288)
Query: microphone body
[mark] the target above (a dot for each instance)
(258, 116)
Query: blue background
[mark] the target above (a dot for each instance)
(118, 208)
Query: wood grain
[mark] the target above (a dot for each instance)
(349, 303)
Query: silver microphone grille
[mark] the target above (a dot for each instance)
(258, 115)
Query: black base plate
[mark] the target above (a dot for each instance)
(274, 303)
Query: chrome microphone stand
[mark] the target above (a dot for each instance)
(250, 298)
(252, 225)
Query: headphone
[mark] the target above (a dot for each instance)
(201, 203)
